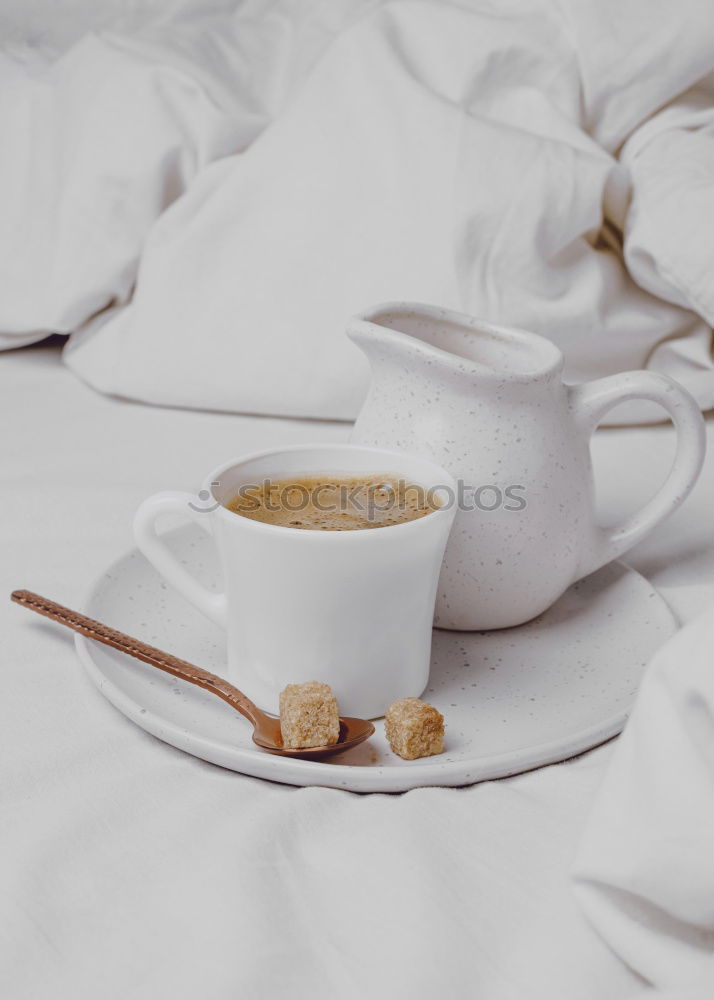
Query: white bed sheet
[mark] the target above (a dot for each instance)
(131, 870)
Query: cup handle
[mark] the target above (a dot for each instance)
(212, 605)
(590, 401)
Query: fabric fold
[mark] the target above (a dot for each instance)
(644, 873)
(204, 203)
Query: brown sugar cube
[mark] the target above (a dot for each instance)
(309, 716)
(414, 729)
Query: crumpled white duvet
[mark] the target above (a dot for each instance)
(645, 870)
(204, 202)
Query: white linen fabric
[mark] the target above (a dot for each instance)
(132, 871)
(203, 202)
(645, 870)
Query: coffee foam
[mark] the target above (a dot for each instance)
(329, 503)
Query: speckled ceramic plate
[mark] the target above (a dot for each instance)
(513, 699)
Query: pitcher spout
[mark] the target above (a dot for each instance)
(412, 332)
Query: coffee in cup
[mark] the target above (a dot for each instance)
(334, 503)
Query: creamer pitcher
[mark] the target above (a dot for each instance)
(488, 403)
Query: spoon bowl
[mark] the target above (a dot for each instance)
(267, 736)
(266, 727)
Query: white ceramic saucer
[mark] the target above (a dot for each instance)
(513, 699)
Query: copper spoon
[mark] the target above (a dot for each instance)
(266, 728)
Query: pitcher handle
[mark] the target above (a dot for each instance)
(590, 402)
(212, 605)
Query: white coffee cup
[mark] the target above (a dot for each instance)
(353, 609)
